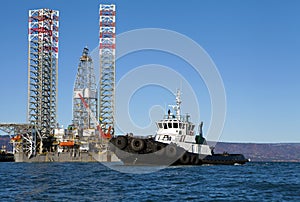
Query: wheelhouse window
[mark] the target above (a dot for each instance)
(180, 125)
(193, 126)
(165, 126)
(160, 125)
(170, 124)
(175, 125)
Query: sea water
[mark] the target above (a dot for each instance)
(96, 182)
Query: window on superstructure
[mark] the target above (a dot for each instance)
(165, 126)
(170, 124)
(193, 126)
(180, 125)
(160, 125)
(175, 125)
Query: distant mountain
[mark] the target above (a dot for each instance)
(288, 152)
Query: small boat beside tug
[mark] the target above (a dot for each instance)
(175, 143)
(6, 156)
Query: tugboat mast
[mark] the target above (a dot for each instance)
(176, 107)
(178, 102)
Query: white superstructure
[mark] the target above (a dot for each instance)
(177, 129)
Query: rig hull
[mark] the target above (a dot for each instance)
(68, 157)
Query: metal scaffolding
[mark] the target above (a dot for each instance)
(85, 85)
(24, 141)
(107, 51)
(42, 71)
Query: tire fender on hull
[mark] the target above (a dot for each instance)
(121, 142)
(195, 160)
(185, 158)
(137, 144)
(171, 151)
(158, 149)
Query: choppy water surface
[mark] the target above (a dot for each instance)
(95, 182)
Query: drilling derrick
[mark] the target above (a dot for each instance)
(85, 85)
(42, 72)
(107, 51)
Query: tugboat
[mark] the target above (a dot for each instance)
(175, 143)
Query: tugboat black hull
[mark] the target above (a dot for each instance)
(146, 151)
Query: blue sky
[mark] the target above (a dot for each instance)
(254, 44)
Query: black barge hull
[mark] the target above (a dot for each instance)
(146, 151)
(6, 157)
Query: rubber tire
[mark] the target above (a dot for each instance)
(195, 160)
(121, 142)
(158, 149)
(171, 151)
(137, 144)
(185, 158)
